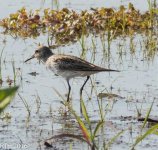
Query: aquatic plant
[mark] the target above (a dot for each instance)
(1, 66)
(68, 26)
(151, 130)
(86, 126)
(28, 109)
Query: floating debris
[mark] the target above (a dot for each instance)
(150, 120)
(1, 81)
(9, 81)
(34, 73)
(48, 145)
(109, 96)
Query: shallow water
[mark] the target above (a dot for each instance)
(136, 84)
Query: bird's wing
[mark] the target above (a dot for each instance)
(66, 62)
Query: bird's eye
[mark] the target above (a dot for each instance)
(36, 51)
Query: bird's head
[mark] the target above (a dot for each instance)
(42, 54)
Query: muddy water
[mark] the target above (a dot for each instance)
(136, 84)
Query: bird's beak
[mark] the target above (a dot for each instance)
(29, 58)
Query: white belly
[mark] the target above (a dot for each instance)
(68, 74)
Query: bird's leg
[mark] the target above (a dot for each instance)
(81, 92)
(84, 85)
(68, 96)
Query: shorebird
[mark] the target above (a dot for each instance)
(67, 66)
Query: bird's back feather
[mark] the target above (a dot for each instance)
(73, 63)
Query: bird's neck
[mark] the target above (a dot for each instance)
(46, 56)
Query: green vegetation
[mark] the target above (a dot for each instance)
(6, 95)
(68, 26)
(90, 133)
(151, 130)
(1, 53)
